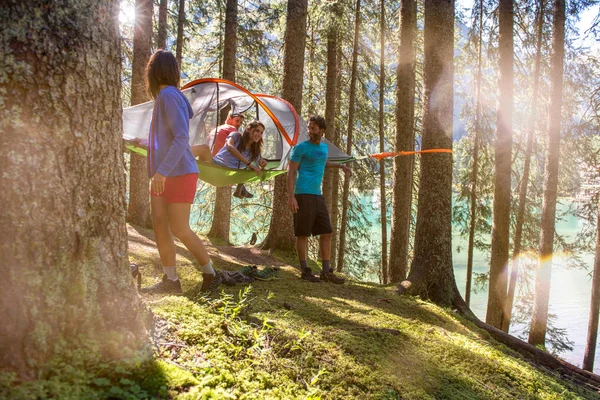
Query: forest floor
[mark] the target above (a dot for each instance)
(289, 338)
(292, 339)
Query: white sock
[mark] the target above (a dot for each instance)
(171, 273)
(208, 269)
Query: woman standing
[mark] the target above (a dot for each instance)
(174, 174)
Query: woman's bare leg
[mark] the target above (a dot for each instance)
(179, 220)
(202, 151)
(162, 231)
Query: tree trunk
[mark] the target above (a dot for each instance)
(281, 229)
(330, 102)
(66, 295)
(180, 23)
(431, 275)
(502, 174)
(405, 141)
(542, 358)
(344, 222)
(222, 211)
(161, 40)
(473, 196)
(335, 183)
(512, 284)
(384, 261)
(537, 334)
(138, 212)
(590, 348)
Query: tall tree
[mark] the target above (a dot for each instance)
(512, 284)
(405, 139)
(281, 232)
(431, 274)
(352, 100)
(222, 210)
(502, 191)
(477, 134)
(180, 24)
(590, 348)
(139, 194)
(330, 96)
(384, 261)
(335, 182)
(539, 323)
(63, 238)
(161, 40)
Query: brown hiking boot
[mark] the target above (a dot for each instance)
(333, 278)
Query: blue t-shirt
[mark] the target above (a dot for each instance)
(225, 158)
(312, 159)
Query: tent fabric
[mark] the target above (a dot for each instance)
(283, 127)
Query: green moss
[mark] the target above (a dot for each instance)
(291, 339)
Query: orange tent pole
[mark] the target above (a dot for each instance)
(379, 156)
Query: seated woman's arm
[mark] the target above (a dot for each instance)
(230, 145)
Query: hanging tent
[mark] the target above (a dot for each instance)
(283, 128)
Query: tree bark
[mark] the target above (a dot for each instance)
(281, 229)
(344, 222)
(138, 212)
(405, 141)
(502, 191)
(221, 222)
(474, 171)
(541, 357)
(161, 40)
(180, 23)
(66, 295)
(384, 261)
(431, 275)
(330, 101)
(592, 336)
(514, 273)
(537, 334)
(335, 183)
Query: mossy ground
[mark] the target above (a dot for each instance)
(292, 339)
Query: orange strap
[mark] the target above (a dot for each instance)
(379, 156)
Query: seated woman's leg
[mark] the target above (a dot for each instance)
(202, 151)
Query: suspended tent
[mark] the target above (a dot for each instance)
(283, 128)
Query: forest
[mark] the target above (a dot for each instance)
(460, 247)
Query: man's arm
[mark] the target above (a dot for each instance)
(343, 167)
(291, 180)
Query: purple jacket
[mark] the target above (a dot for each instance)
(169, 151)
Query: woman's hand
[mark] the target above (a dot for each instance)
(262, 163)
(157, 186)
(255, 168)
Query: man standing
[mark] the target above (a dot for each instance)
(305, 177)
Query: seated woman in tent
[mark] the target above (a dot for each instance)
(240, 151)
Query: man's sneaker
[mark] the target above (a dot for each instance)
(210, 282)
(307, 275)
(165, 286)
(333, 278)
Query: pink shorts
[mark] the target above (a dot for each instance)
(179, 189)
